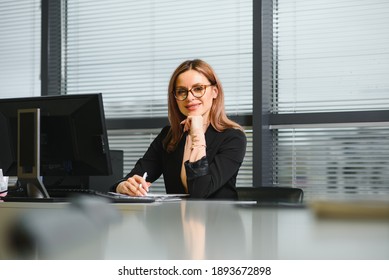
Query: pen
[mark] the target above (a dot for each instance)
(144, 178)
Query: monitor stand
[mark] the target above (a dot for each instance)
(28, 163)
(34, 188)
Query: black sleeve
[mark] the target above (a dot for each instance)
(150, 162)
(206, 177)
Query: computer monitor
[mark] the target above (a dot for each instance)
(70, 130)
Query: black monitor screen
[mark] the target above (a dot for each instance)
(73, 137)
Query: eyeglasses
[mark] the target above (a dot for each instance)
(197, 91)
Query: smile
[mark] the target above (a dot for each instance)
(192, 107)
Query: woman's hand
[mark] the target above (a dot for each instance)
(193, 124)
(134, 186)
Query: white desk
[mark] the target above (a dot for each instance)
(225, 230)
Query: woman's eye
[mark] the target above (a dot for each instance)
(198, 89)
(181, 91)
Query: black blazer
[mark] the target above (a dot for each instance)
(217, 171)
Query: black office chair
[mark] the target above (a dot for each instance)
(271, 194)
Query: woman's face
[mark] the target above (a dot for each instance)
(193, 106)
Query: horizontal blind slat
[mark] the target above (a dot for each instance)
(20, 33)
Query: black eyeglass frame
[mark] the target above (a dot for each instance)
(190, 90)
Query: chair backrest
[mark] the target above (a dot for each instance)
(271, 194)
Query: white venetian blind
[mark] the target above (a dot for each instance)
(333, 162)
(20, 35)
(332, 56)
(128, 50)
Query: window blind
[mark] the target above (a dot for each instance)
(331, 56)
(20, 33)
(127, 50)
(334, 162)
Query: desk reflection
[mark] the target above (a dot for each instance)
(193, 230)
(227, 230)
(184, 230)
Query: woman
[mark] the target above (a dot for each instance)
(201, 151)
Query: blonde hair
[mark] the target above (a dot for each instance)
(218, 116)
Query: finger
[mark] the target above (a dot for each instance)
(140, 182)
(145, 186)
(124, 188)
(196, 123)
(141, 191)
(186, 124)
(133, 186)
(139, 186)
